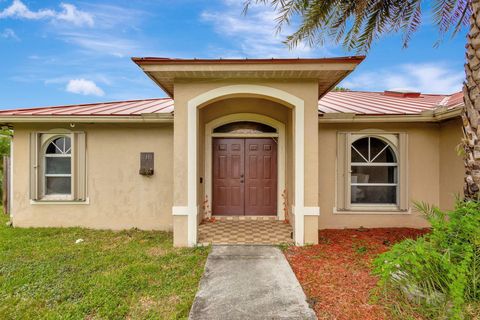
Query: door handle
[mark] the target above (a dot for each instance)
(241, 176)
(241, 181)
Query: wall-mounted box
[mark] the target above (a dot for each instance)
(146, 163)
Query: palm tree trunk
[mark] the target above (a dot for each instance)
(471, 112)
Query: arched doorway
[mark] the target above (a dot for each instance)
(192, 125)
(249, 180)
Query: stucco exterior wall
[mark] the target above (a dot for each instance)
(423, 179)
(119, 197)
(452, 168)
(185, 91)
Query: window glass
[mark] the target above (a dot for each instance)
(374, 172)
(58, 165)
(374, 194)
(245, 127)
(60, 145)
(360, 150)
(58, 185)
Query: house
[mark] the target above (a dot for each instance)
(249, 137)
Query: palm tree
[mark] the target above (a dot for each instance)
(357, 23)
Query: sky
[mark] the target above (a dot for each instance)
(70, 52)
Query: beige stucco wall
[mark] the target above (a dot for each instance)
(185, 91)
(452, 168)
(429, 156)
(119, 197)
(311, 230)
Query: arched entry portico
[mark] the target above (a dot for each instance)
(270, 93)
(251, 117)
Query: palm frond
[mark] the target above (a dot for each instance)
(358, 23)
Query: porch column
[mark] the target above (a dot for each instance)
(306, 210)
(184, 209)
(311, 193)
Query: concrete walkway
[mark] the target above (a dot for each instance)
(249, 282)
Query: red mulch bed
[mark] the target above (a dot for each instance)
(336, 273)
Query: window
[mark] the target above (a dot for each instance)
(374, 172)
(244, 127)
(371, 172)
(58, 166)
(58, 163)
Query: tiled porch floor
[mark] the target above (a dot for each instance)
(244, 232)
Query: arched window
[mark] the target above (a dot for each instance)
(374, 172)
(244, 127)
(58, 166)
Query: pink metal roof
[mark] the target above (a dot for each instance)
(377, 103)
(455, 100)
(358, 102)
(118, 108)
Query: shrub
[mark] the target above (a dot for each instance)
(438, 274)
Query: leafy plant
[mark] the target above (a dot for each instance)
(360, 247)
(5, 138)
(361, 250)
(437, 275)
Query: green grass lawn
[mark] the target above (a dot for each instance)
(111, 275)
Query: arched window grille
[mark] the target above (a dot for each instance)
(374, 172)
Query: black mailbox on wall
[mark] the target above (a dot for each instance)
(146, 163)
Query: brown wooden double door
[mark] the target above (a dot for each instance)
(244, 176)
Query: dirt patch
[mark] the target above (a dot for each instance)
(144, 307)
(156, 251)
(116, 242)
(336, 273)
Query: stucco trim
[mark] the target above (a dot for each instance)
(432, 116)
(180, 211)
(192, 128)
(311, 211)
(372, 212)
(281, 155)
(59, 202)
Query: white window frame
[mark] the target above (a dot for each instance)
(398, 142)
(46, 140)
(39, 141)
(369, 163)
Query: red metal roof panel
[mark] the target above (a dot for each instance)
(358, 102)
(117, 108)
(377, 103)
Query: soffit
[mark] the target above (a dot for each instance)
(327, 72)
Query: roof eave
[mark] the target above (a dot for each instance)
(168, 118)
(175, 68)
(366, 118)
(155, 60)
(147, 118)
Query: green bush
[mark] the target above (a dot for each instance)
(438, 275)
